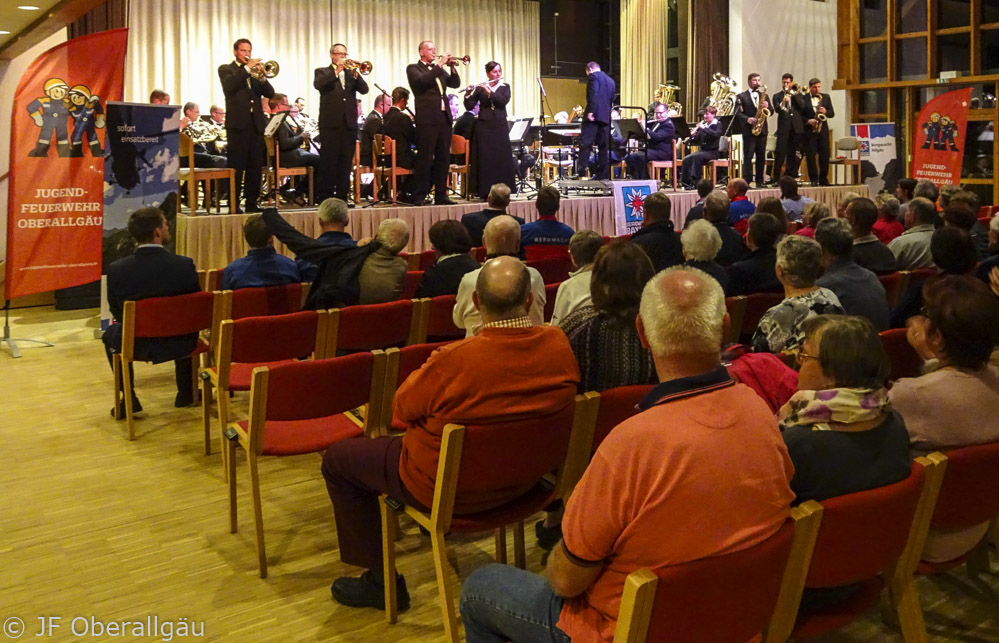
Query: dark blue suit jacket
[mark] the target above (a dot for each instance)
(600, 90)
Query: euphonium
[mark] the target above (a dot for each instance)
(762, 113)
(363, 68)
(266, 70)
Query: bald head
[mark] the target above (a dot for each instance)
(683, 314)
(501, 236)
(737, 187)
(503, 289)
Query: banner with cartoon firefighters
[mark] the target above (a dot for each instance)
(938, 141)
(55, 203)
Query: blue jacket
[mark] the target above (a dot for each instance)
(259, 268)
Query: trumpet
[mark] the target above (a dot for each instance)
(363, 68)
(454, 61)
(265, 70)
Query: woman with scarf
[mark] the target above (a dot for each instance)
(839, 428)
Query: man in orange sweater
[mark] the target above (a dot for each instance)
(538, 377)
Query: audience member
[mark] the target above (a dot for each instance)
(868, 251)
(858, 289)
(151, 272)
(333, 218)
(793, 203)
(756, 272)
(903, 192)
(772, 205)
(701, 243)
(928, 190)
(844, 203)
(546, 237)
(262, 265)
(953, 254)
(602, 335)
(957, 403)
(644, 483)
(946, 191)
(959, 216)
(537, 376)
(383, 274)
(716, 211)
(814, 212)
(888, 226)
(657, 236)
(496, 204)
(912, 247)
(451, 244)
(740, 207)
(574, 292)
(840, 429)
(696, 211)
(986, 267)
(799, 260)
(502, 239)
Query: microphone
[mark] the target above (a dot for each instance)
(542, 86)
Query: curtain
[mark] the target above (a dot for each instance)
(178, 45)
(643, 43)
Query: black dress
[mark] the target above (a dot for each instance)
(491, 158)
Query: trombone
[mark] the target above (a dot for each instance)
(364, 68)
(265, 70)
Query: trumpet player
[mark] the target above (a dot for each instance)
(338, 88)
(789, 130)
(815, 109)
(752, 106)
(706, 134)
(491, 159)
(429, 81)
(245, 122)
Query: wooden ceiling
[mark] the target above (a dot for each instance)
(28, 28)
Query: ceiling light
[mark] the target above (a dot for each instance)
(4, 33)
(28, 7)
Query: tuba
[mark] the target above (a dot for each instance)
(762, 113)
(266, 70)
(666, 94)
(723, 94)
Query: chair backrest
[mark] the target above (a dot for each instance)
(919, 275)
(410, 283)
(383, 145)
(479, 253)
(848, 143)
(793, 226)
(616, 406)
(551, 290)
(370, 326)
(427, 259)
(553, 269)
(970, 491)
(186, 151)
(459, 145)
(400, 364)
(757, 304)
(275, 337)
(269, 300)
(736, 309)
(213, 279)
(724, 143)
(894, 284)
(175, 315)
(905, 361)
(440, 324)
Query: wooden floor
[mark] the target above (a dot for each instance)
(94, 525)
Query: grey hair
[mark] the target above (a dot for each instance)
(499, 196)
(947, 190)
(927, 189)
(675, 328)
(815, 212)
(333, 211)
(800, 258)
(502, 235)
(584, 245)
(923, 210)
(716, 206)
(887, 202)
(393, 234)
(701, 241)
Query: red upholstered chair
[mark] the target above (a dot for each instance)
(736, 309)
(871, 539)
(919, 276)
(437, 324)
(553, 270)
(793, 226)
(616, 406)
(401, 363)
(968, 497)
(731, 597)
(479, 253)
(541, 251)
(411, 283)
(905, 361)
(260, 302)
(363, 328)
(985, 221)
(895, 284)
(514, 455)
(757, 304)
(299, 408)
(243, 344)
(550, 291)
(152, 318)
(420, 260)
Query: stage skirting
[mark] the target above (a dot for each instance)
(213, 241)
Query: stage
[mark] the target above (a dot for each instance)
(213, 241)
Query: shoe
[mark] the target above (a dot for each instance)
(136, 408)
(183, 400)
(445, 201)
(548, 537)
(824, 183)
(368, 590)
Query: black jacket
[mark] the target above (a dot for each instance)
(492, 106)
(661, 242)
(372, 125)
(338, 103)
(443, 278)
(788, 118)
(660, 136)
(427, 95)
(707, 137)
(465, 125)
(733, 249)
(804, 108)
(744, 110)
(755, 273)
(600, 90)
(475, 223)
(399, 127)
(242, 102)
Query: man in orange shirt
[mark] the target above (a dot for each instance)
(702, 471)
(538, 377)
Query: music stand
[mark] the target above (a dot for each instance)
(680, 127)
(519, 130)
(629, 129)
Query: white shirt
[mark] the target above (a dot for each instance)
(573, 294)
(466, 315)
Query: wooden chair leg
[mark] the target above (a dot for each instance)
(389, 528)
(222, 401)
(258, 516)
(444, 585)
(905, 600)
(230, 459)
(206, 411)
(128, 386)
(232, 195)
(501, 545)
(192, 195)
(519, 553)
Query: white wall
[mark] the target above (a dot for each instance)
(771, 37)
(10, 76)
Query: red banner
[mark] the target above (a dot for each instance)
(938, 139)
(55, 205)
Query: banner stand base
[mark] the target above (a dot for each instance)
(11, 342)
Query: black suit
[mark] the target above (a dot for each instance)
(372, 125)
(600, 90)
(399, 127)
(337, 129)
(754, 148)
(244, 125)
(815, 142)
(433, 127)
(707, 138)
(755, 273)
(475, 223)
(465, 125)
(660, 148)
(789, 130)
(289, 141)
(152, 272)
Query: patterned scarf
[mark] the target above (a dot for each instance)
(839, 405)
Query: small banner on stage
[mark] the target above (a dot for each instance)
(938, 138)
(55, 203)
(629, 204)
(879, 169)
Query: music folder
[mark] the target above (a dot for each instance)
(629, 128)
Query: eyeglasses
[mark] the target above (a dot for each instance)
(801, 357)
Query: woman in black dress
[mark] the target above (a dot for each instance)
(491, 158)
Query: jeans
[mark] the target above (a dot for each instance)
(502, 603)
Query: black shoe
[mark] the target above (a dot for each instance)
(136, 408)
(824, 183)
(445, 201)
(368, 590)
(548, 537)
(183, 400)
